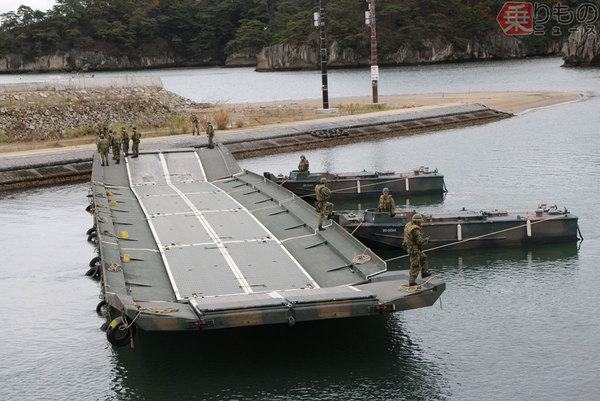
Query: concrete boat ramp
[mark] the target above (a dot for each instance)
(189, 241)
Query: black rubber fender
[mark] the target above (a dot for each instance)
(89, 208)
(91, 230)
(92, 238)
(100, 305)
(94, 261)
(94, 271)
(116, 333)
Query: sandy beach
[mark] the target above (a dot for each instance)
(509, 102)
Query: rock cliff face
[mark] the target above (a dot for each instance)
(582, 49)
(241, 59)
(287, 57)
(306, 57)
(93, 61)
(499, 46)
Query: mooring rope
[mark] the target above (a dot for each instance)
(350, 187)
(353, 231)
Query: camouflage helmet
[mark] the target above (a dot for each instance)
(386, 190)
(122, 127)
(101, 135)
(109, 130)
(417, 218)
(323, 180)
(134, 127)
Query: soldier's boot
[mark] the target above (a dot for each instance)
(321, 228)
(425, 275)
(118, 161)
(102, 164)
(412, 284)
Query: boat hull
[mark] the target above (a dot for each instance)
(457, 235)
(365, 185)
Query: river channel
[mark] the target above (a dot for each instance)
(513, 324)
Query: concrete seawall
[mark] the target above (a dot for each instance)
(26, 169)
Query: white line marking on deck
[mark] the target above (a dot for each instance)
(211, 232)
(312, 281)
(155, 235)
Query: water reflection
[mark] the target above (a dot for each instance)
(363, 358)
(447, 261)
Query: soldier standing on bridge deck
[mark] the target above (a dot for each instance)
(210, 132)
(102, 144)
(125, 141)
(322, 205)
(196, 128)
(135, 142)
(111, 139)
(413, 243)
(115, 144)
(386, 203)
(303, 165)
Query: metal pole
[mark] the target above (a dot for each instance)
(374, 66)
(323, 54)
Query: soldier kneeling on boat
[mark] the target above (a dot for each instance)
(413, 243)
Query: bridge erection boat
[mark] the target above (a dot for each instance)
(364, 184)
(188, 241)
(465, 229)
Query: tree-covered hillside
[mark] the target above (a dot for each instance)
(209, 31)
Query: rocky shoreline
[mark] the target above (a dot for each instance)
(582, 49)
(293, 57)
(57, 114)
(435, 50)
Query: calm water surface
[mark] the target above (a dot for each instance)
(515, 324)
(238, 85)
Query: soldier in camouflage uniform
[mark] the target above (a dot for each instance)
(124, 141)
(196, 129)
(210, 132)
(386, 203)
(103, 146)
(115, 145)
(110, 136)
(413, 243)
(135, 142)
(303, 165)
(322, 205)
